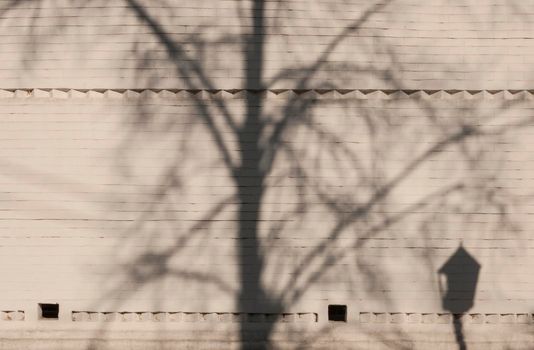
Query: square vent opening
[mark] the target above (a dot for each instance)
(49, 311)
(337, 313)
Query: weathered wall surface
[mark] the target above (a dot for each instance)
(350, 45)
(194, 176)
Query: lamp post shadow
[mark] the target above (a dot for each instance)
(461, 272)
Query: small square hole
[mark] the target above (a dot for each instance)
(337, 313)
(49, 311)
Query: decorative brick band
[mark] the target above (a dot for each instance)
(475, 318)
(275, 94)
(12, 315)
(87, 316)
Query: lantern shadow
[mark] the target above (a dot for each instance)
(461, 272)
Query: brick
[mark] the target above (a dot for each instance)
(191, 317)
(492, 318)
(111, 316)
(210, 317)
(175, 316)
(15, 316)
(430, 318)
(414, 318)
(271, 318)
(381, 317)
(523, 318)
(477, 318)
(80, 316)
(444, 318)
(160, 316)
(507, 318)
(288, 318)
(225, 317)
(130, 317)
(397, 317)
(307, 317)
(366, 317)
(145, 316)
(256, 318)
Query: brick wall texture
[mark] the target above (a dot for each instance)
(190, 174)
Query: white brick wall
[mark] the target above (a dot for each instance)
(408, 44)
(408, 136)
(102, 200)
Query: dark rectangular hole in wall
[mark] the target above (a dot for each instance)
(49, 311)
(337, 313)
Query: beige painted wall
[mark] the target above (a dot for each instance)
(405, 133)
(466, 44)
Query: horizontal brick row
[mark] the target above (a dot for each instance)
(431, 318)
(86, 316)
(12, 315)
